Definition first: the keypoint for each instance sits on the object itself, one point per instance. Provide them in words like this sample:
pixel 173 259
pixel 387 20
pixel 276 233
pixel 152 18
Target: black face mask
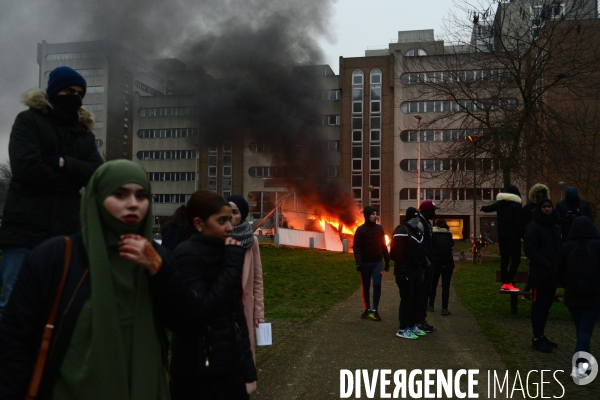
pixel 67 106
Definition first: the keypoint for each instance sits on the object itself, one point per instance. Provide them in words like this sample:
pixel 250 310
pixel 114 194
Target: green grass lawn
pixel 302 283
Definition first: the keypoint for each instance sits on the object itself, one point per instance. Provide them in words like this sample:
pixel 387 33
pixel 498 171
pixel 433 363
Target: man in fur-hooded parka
pixel 52 154
pixel 537 192
pixel 510 230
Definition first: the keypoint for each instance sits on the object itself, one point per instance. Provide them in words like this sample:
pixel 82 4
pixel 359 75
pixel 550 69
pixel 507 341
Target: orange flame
pixel 387 240
pixel 335 223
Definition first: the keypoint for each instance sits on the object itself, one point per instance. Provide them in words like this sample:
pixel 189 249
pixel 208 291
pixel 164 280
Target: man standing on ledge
pixel 52 154
pixel 369 247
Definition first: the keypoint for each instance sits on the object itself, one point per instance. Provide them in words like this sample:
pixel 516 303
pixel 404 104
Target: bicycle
pixel 477 246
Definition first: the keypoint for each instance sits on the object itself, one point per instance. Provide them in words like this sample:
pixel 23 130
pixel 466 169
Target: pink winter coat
pixel 252 282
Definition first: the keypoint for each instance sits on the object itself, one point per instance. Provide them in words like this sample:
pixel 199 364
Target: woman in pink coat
pixel 252 280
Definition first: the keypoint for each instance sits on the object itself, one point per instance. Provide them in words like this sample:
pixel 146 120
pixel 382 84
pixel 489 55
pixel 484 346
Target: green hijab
pixel 115 351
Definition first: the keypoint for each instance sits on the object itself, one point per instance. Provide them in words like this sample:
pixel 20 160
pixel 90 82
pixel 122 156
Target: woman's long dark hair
pixel 203 204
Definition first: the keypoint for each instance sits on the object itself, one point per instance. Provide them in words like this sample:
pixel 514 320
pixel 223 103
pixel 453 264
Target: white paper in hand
pixel 263 334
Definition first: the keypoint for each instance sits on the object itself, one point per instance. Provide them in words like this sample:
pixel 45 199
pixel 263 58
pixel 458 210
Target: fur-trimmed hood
pixel 37 99
pixel 536 188
pixel 437 229
pixel 508 197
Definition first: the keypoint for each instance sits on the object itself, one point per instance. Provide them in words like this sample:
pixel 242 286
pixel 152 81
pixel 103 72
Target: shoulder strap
pixel 40 363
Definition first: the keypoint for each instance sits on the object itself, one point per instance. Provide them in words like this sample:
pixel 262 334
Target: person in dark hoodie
pixel 510 230
pixel 426 215
pixel 369 247
pixel 52 154
pixel 408 252
pixel 537 192
pixel 542 246
pixel 570 208
pixel 579 270
pixel 443 265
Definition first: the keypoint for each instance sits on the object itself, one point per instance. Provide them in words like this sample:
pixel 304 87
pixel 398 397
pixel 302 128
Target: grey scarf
pixel 244 234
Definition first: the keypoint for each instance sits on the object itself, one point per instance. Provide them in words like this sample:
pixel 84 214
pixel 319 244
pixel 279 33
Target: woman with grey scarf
pixel 252 280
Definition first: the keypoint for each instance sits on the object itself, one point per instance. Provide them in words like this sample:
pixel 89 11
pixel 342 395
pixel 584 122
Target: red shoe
pixel 505 287
pixel 513 288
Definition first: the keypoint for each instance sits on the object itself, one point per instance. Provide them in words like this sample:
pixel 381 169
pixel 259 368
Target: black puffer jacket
pixel 542 246
pixel 510 214
pixel 408 248
pixel 578 207
pixel 369 243
pixel 210 334
pixel 582 231
pixel 27 312
pixel 442 246
pixel 42 202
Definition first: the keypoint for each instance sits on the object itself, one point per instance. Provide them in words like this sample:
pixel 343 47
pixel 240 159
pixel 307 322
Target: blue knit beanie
pixel 63 77
pixel 241 204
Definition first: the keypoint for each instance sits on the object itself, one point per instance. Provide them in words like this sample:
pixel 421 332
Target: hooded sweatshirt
pixel 582 231
pixel 569 208
pixel 510 213
pixel 529 208
pixel 542 245
pixel 369 241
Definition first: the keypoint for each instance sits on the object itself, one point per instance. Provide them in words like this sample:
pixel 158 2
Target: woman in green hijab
pixel 108 342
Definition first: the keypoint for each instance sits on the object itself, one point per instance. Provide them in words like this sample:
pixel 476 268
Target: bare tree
pixel 500 66
pixel 5 177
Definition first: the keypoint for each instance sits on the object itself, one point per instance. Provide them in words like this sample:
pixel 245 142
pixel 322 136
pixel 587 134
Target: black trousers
pixel 409 285
pixel 510 253
pixel 426 287
pixel 446 275
pixel 540 307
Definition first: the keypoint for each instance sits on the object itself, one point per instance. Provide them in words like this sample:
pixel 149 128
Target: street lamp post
pixel 418 117
pixel 474 139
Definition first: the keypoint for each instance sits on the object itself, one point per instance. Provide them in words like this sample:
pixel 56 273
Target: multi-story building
pixel 367 132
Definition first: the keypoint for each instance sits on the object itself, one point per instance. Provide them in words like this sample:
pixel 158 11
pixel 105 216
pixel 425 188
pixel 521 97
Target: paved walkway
pixel 308 367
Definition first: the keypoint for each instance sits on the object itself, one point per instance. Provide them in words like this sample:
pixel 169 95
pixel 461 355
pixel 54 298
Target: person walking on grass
pixel 542 247
pixel 579 270
pixel 409 255
pixel 510 230
pixel 444 264
pixel 369 248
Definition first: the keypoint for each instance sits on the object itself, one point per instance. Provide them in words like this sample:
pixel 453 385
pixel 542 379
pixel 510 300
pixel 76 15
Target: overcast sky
pixel 361 24
pixel 348 28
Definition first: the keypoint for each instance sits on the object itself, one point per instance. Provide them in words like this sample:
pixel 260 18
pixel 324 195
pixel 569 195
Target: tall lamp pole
pixel 474 139
pixel 418 117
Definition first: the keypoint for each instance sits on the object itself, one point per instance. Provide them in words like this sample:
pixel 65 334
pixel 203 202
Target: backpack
pixel 584 271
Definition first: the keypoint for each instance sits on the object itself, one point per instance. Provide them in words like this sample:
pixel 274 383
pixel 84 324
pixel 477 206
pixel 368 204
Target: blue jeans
pixel 12 258
pixel 585 319
pixel 371 270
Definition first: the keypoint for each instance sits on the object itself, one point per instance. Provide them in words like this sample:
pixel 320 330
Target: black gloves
pixel 52 161
pixel 387 267
pixel 358 268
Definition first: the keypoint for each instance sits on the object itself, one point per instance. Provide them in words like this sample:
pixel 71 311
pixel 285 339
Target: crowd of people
pixel 561 243
pixel 421 254
pixel 88 295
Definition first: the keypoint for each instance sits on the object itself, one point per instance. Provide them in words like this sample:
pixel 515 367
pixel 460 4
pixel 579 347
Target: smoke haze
pixel 251 44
